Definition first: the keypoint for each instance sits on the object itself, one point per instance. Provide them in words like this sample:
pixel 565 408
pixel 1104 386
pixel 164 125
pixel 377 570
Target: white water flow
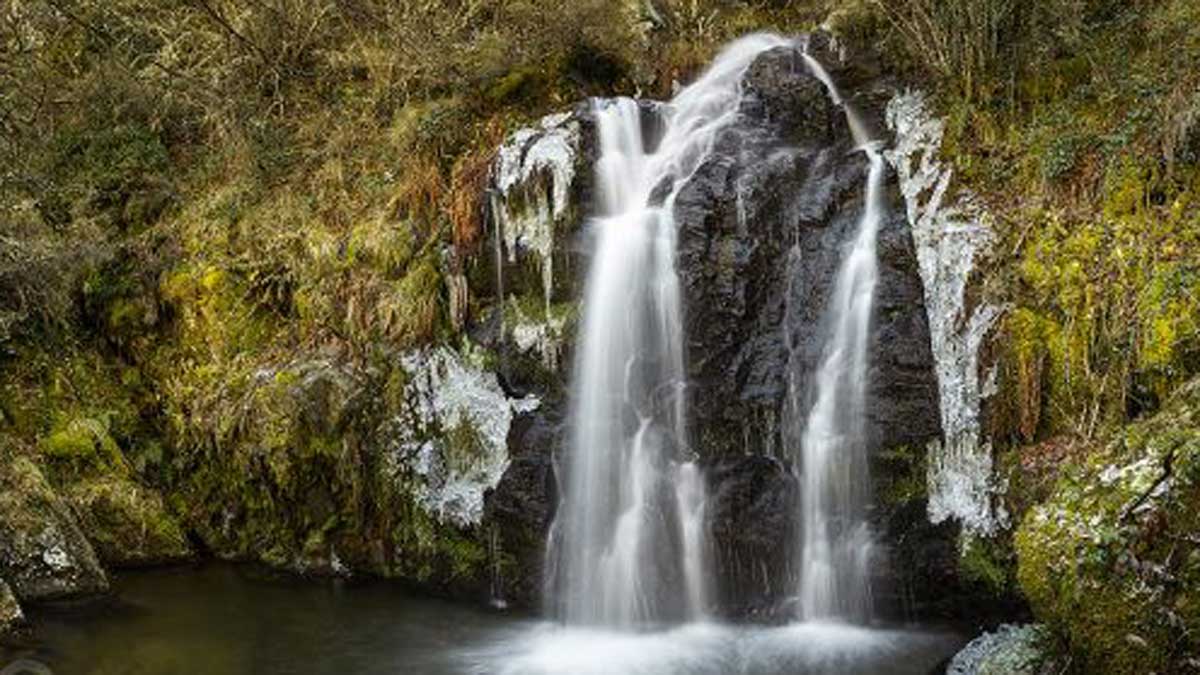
pixel 628 544
pixel 836 542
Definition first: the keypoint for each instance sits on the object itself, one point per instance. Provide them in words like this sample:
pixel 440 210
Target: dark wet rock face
pixel 762 225
pixel 750 514
pixel 794 107
pixel 521 508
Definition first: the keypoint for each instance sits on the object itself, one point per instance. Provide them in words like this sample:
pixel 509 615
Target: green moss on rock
pixel 127 524
pixel 987 563
pixel 11 616
pixel 1111 559
pixel 288 470
pixel 43 552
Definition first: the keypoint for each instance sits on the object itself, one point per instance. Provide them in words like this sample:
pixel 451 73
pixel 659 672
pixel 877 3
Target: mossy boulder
pixel 43 552
pixel 127 524
pixel 326 465
pixel 11 616
pixel 1112 561
pixel 276 466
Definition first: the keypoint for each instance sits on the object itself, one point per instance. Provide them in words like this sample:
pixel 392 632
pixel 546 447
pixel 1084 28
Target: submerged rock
pixel 43 553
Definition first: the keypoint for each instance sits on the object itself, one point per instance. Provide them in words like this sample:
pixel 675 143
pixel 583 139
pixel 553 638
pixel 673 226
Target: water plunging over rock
pixel 836 550
pixel 761 216
pixel 623 551
pixel 763 222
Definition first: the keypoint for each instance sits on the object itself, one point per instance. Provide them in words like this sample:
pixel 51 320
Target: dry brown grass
pixel 468 189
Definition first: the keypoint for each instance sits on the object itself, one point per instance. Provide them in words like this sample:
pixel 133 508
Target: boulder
pixel 43 552
pixel 127 524
pixel 1111 560
pixel 1009 650
pixel 11 616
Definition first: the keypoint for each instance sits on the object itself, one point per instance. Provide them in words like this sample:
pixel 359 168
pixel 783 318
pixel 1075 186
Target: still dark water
pixel 227 620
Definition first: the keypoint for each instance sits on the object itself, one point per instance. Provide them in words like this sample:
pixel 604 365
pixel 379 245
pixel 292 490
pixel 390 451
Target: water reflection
pixel 225 620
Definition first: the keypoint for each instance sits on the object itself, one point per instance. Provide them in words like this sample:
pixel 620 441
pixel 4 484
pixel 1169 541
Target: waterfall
pixel 835 542
pixel 627 547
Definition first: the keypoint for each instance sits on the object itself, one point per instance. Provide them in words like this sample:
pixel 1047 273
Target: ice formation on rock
pixel 950 235
pixel 543 338
pixel 454 438
pixel 532 177
pixel 1010 650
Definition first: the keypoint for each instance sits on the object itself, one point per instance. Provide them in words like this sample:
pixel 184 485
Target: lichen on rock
pixel 951 235
pixel 452 440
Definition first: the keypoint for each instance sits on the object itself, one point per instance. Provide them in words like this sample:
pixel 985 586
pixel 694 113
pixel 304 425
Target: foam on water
pixel 814 648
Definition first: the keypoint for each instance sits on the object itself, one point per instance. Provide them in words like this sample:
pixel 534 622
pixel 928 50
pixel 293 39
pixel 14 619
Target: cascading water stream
pixel 627 547
pixel 836 542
